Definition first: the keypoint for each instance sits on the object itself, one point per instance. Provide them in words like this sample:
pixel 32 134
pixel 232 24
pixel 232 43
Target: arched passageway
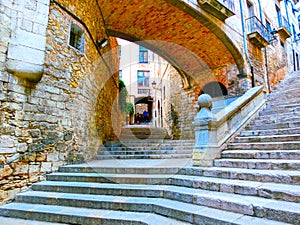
pixel 214 89
pixel 193 44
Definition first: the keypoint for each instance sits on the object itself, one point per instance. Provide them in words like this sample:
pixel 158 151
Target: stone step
pixel 259 154
pixel 279 110
pixel 144 156
pixel 143 133
pixel 289 145
pixel 119 169
pixel 277 191
pixel 79 215
pixel 145 152
pixel 263 132
pixel 287 119
pixel 243 204
pixel 290 124
pixel 272 176
pixel 286 89
pixel 155 143
pixel 276 176
pixel 15 221
pixel 293 103
pixel 187 212
pixel 287 95
pixel 281 116
pixel 281 98
pixel 141 137
pixel 267 138
pixel 272 164
pixel 150 148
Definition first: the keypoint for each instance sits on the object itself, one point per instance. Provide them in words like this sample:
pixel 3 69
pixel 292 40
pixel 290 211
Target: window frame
pixel 76 37
pixel 143 55
pixel 145 76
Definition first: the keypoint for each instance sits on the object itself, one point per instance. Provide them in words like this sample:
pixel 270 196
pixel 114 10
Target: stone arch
pixel 190 33
pixel 215 89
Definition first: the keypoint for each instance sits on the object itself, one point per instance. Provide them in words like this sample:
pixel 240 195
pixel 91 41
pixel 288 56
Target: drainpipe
pixel 245 44
pixel 292 41
pixel 265 50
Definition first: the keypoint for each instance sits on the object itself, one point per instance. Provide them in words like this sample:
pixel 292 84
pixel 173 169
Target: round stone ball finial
pixel 204 101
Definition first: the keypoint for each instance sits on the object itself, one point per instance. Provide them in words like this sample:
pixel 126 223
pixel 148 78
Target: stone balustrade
pixel 212 131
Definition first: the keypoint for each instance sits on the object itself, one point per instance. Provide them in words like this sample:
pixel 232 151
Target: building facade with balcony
pixel 264 31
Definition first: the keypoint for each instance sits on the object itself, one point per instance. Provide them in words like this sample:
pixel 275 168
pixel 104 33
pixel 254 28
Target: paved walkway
pixel 13 221
pixel 148 163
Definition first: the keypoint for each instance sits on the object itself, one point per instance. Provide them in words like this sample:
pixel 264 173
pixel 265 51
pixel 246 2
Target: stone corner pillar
pixel 206 148
pixel 27 45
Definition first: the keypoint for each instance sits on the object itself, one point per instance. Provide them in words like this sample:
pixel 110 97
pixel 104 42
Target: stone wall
pixel 77 93
pixel 180 107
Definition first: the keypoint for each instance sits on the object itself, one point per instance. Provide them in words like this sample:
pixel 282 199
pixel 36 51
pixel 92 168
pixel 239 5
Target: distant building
pixel 145 75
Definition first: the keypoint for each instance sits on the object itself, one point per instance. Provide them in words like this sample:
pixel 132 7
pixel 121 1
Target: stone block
pixel 34 168
pixel 27 25
pixel 53 156
pixel 6 171
pixel 43 8
pixel 35 17
pixel 46 167
pixel 30 157
pixel 22 147
pixel 21 168
pixel 29 39
pixel 11 194
pixel 16 88
pixel 25 70
pixel 4 77
pixel 25 53
pixel 45 2
pixel 8 141
pixel 50 89
pixel 16 97
pixel 56 165
pixel 39 29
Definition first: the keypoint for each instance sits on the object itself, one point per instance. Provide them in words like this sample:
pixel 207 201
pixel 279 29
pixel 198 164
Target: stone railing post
pixel 206 148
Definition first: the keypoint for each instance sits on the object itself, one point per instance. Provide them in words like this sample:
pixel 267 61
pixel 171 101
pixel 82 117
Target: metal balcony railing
pixel 253 24
pixel 229 4
pixel 284 23
pixel 144 92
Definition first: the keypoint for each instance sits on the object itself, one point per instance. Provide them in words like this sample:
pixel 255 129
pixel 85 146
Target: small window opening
pixel 77 37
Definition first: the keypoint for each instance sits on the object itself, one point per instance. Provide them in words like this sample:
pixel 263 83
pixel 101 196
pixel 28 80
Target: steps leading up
pixel 257 180
pixel 147 149
pixel 141 132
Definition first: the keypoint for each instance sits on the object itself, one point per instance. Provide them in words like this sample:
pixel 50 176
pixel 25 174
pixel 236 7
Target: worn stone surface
pixel 76 93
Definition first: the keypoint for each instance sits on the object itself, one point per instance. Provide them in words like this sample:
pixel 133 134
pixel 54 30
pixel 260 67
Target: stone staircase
pixel 146 142
pixel 147 149
pixel 257 181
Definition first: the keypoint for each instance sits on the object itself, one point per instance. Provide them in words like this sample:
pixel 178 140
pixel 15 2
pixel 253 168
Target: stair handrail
pixel 36 149
pixel 213 131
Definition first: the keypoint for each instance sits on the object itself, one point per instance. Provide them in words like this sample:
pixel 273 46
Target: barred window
pixel 77 37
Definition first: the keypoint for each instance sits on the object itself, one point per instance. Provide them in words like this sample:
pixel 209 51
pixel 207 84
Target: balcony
pixel 257 32
pixel 222 9
pixel 145 92
pixel 284 29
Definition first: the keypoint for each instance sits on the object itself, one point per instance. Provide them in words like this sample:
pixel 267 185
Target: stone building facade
pixel 52 85
pixel 271 62
pixel 49 88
